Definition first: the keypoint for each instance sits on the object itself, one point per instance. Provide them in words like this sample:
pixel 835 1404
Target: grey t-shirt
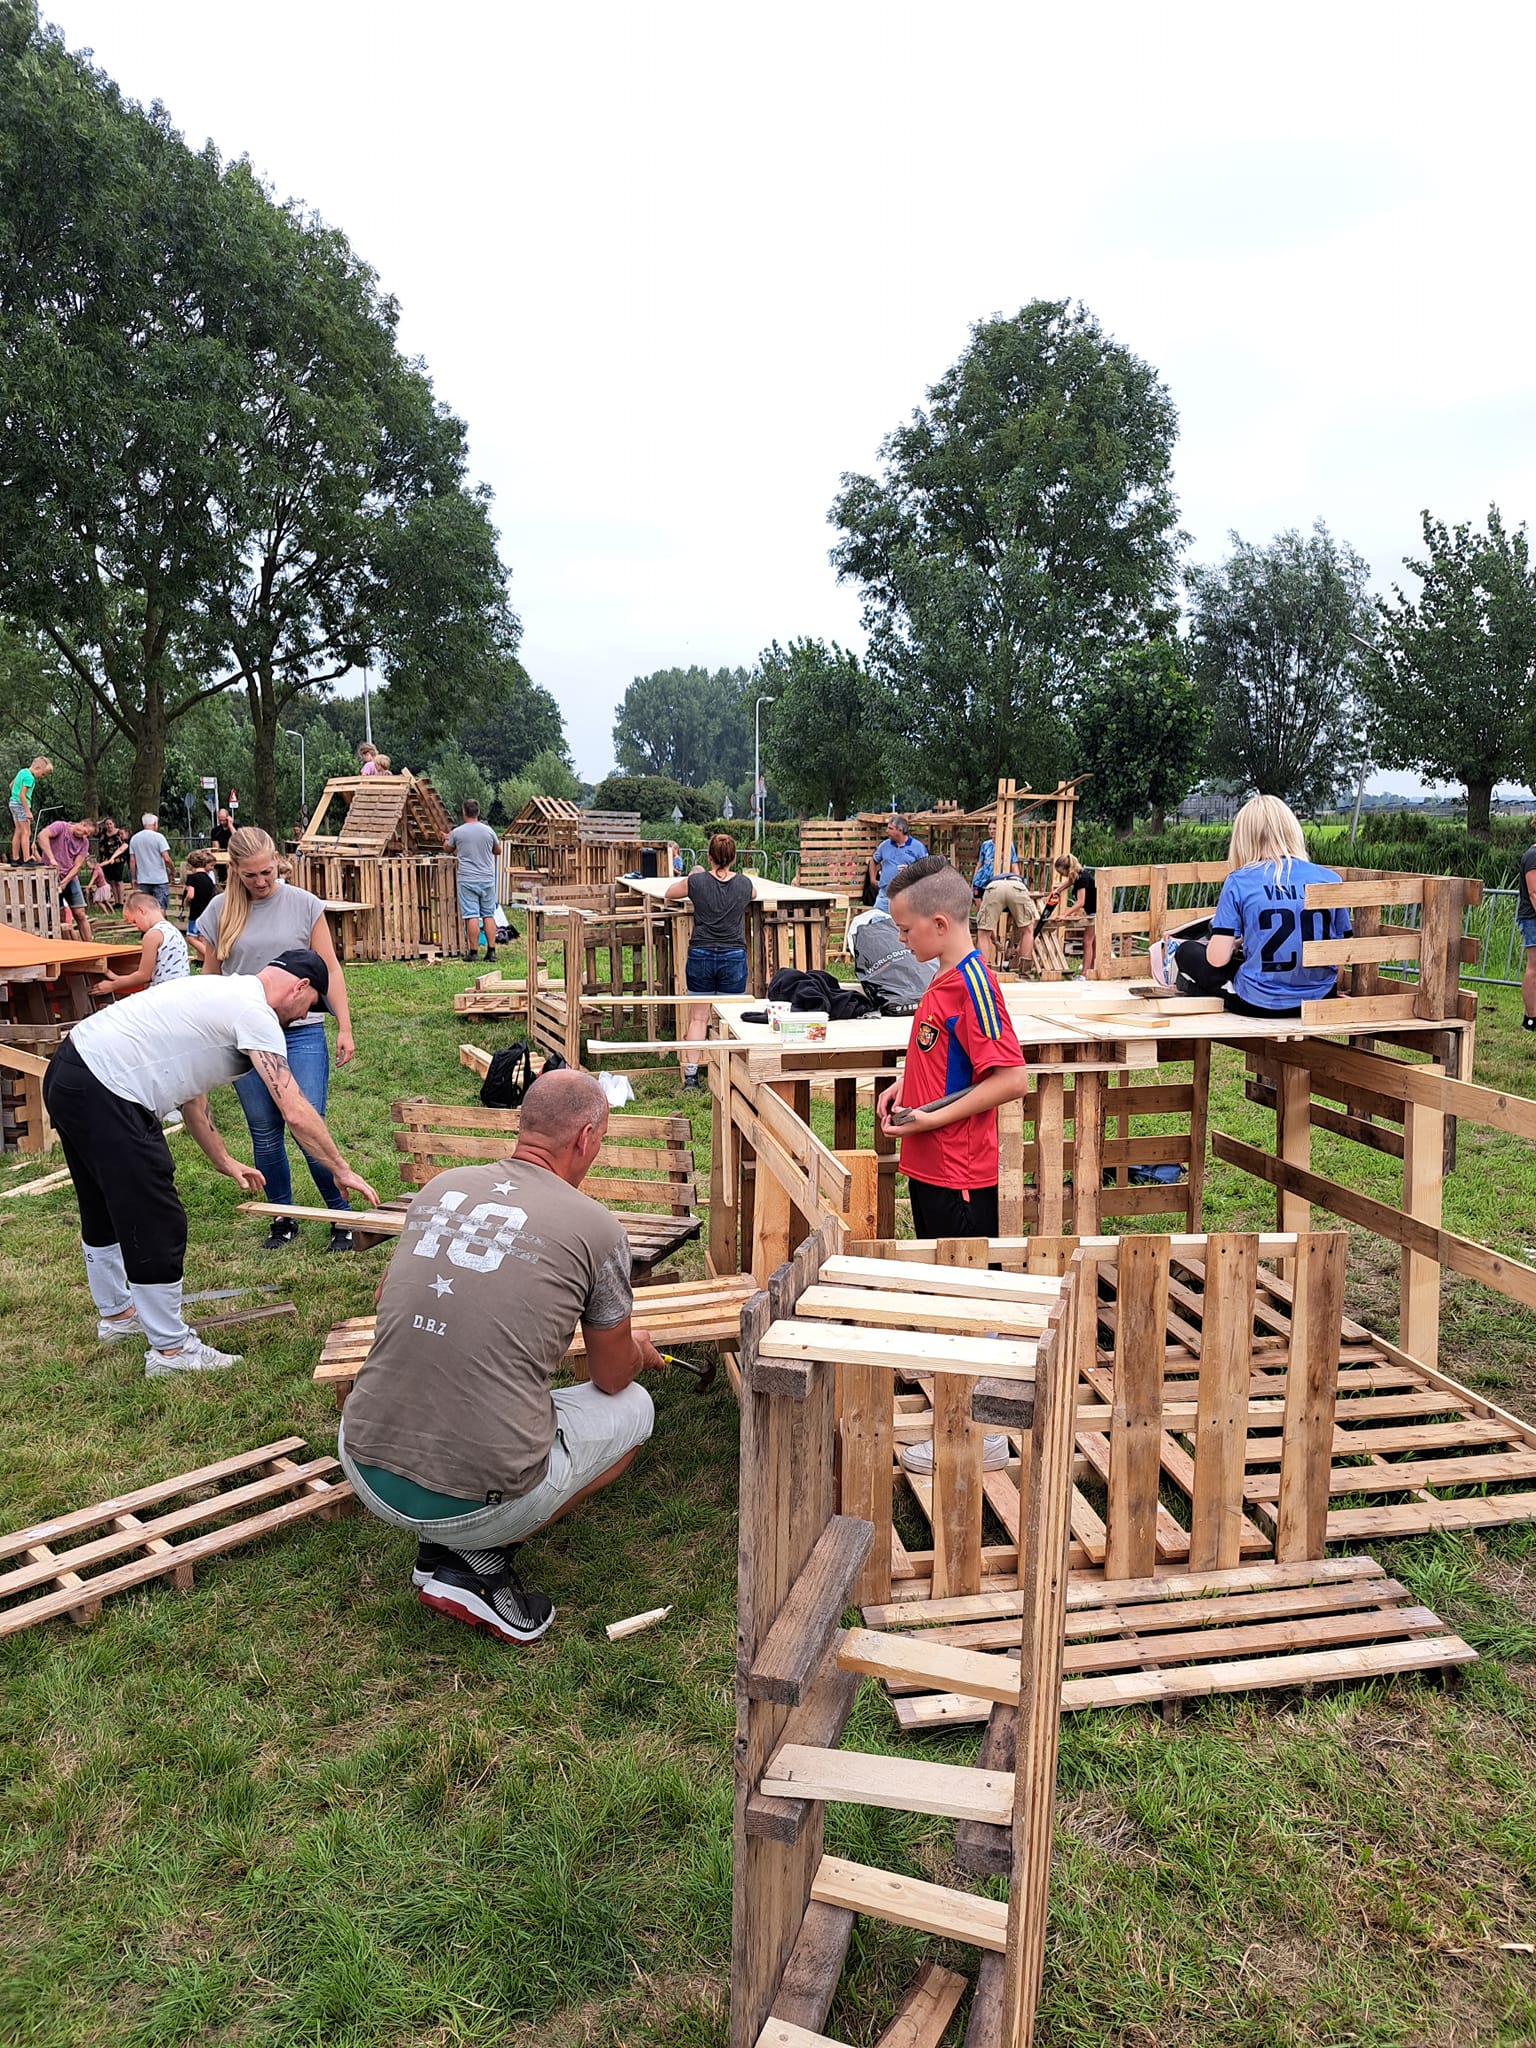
pixel 495 1268
pixel 273 925
pixel 719 908
pixel 149 852
pixel 478 849
pixel 165 1045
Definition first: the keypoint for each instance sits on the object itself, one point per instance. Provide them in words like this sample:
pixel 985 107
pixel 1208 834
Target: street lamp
pixel 303 776
pixel 367 709
pixel 757 761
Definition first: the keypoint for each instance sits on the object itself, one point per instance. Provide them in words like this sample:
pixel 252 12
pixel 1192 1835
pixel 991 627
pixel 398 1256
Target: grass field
pixel 292 1806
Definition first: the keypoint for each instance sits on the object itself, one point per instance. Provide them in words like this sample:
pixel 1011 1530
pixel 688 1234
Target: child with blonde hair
pixel 1253 957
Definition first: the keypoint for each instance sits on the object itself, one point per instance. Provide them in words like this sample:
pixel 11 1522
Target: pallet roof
pixel 384 814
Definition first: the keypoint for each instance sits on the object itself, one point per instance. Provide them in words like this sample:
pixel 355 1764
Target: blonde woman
pixel 259 917
pixel 1252 959
pixel 717 951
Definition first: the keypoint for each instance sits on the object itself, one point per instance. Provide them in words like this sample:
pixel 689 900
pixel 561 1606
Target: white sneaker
pixel 110 1328
pixel 194 1356
pixel 918 1457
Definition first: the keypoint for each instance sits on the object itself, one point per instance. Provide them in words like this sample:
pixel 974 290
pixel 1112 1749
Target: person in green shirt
pixel 21 810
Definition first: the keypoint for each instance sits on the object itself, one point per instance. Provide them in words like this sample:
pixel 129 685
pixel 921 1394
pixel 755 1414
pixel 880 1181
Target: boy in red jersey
pixel 962 1038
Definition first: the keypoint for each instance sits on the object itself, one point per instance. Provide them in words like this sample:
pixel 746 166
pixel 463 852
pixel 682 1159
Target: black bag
pixel 818 990
pixel 888 974
pixel 508 1077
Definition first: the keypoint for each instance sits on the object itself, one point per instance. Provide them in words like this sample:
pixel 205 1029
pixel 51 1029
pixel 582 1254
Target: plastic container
pixel 804 1027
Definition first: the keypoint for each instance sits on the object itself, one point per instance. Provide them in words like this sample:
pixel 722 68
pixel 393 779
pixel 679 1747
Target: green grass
pixel 291 1806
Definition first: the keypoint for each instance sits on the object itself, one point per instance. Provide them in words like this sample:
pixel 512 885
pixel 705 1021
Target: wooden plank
pixel 1478 1262
pixel 912 1660
pixel 783 2034
pixel 898 1310
pixel 815 1963
pixel 957 1453
pixel 1417 1518
pixel 1221 1424
pixel 1258 1674
pixel 1378 889
pixel 907 1351
pixel 107 1511
pixel 1310 1394
pixel 803 1629
pixel 914 1276
pixel 867 1444
pixel 1136 1430
pixel 817 1723
pixel 899 1783
pixel 927 2009
pixel 1402 1082
pixel 911 1902
pixel 1418 1313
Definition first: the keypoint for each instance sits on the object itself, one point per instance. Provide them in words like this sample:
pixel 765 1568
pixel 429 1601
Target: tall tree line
pixel 217 469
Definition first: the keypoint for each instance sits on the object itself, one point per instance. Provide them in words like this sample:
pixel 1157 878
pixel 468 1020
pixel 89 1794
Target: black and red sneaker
pixel 480 1587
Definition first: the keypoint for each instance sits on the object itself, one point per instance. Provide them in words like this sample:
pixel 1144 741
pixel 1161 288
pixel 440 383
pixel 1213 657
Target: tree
pixel 229 473
pixel 52 712
pixel 455 776
pixel 1021 525
pixel 686 723
pixel 547 774
pixel 527 727
pixel 825 738
pixel 1139 727
pixel 125 337
pixel 1451 688
pixel 1278 638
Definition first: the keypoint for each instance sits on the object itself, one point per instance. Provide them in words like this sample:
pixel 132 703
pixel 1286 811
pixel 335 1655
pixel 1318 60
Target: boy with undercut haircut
pixel 962 1040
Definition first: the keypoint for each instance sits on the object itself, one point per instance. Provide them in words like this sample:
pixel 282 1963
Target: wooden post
pixel 1199 1117
pixel 1293 1144
pixel 1135 1439
pixel 1050 1144
pixel 1087 1151
pixel 1418 1298
pixel 1311 1389
pixel 845 1114
pixel 1221 1424
pixel 1066 1350
pixel 958 1445
pixel 771 1232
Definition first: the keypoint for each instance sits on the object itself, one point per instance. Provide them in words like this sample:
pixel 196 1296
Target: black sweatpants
pixel 945 1212
pixel 1193 966
pixel 125 1181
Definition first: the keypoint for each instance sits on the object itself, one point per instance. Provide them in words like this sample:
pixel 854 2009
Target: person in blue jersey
pixel 1253 957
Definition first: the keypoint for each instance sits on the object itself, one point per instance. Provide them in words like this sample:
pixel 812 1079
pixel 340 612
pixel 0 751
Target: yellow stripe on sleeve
pixel 981 995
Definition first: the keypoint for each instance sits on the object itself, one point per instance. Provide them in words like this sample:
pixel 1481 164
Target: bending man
pixel 453 1430
pixel 107 1087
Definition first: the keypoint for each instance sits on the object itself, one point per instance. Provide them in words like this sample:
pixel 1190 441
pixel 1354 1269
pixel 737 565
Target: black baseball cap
pixel 308 966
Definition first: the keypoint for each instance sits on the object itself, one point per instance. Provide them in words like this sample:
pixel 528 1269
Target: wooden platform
pixel 651 1238
pixel 678 1313
pixel 73 1563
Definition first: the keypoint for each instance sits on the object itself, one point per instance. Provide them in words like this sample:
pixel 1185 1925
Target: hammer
pixel 704 1374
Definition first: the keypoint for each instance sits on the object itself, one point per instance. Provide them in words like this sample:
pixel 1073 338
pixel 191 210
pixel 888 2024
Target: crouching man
pixel 453 1429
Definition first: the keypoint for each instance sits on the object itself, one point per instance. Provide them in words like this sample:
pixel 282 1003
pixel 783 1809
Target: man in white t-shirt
pixel 106 1090
pixel 150 866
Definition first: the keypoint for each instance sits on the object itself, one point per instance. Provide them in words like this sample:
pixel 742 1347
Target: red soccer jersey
pixel 960 1032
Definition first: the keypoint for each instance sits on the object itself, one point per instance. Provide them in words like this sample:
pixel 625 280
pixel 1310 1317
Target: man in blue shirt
pixel 897 850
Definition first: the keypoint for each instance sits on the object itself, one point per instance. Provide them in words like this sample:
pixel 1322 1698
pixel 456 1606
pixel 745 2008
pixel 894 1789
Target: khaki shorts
pixel 1006 896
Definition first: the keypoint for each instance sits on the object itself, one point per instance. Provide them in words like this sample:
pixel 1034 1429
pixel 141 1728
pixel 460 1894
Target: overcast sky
pixel 681 266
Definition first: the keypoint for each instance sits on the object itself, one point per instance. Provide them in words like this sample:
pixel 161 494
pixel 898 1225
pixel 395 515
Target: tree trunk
pixel 90 783
pixel 1158 823
pixel 264 717
pixel 1479 798
pixel 148 736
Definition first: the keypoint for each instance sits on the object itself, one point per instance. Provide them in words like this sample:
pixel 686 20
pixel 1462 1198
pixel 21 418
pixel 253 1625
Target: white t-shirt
pixel 164 1045
pixel 148 850
pixel 171 962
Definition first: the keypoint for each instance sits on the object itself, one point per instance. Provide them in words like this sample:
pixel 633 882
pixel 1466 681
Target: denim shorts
pixel 716 970
pixel 476 899
pixel 593 1430
pixel 1527 931
pixel 20 813
pixel 74 896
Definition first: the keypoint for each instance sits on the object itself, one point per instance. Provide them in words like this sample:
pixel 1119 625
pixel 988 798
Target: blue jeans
pixel 716 970
pixel 309 1060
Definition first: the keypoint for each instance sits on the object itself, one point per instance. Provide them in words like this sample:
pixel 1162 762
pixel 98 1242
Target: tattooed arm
pixel 306 1122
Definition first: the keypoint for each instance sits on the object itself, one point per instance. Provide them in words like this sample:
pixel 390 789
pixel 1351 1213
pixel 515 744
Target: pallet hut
pixel 552 844
pixel 381 870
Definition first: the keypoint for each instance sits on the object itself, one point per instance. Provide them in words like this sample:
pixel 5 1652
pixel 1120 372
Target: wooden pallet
pixel 673 1313
pixel 71 1564
pixel 1189 1635
pixel 29 900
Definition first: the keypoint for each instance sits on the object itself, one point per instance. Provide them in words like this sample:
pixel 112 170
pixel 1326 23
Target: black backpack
pixel 508 1077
